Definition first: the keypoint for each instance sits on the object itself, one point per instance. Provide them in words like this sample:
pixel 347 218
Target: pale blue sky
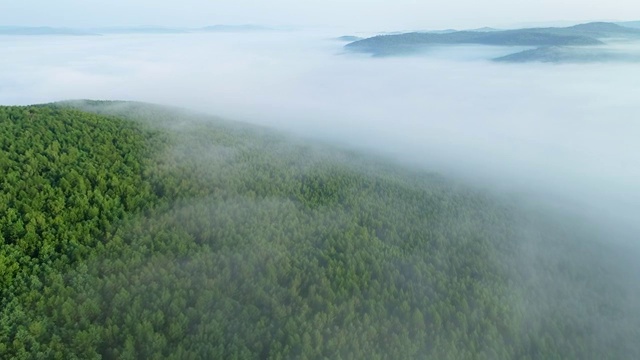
pixel 369 14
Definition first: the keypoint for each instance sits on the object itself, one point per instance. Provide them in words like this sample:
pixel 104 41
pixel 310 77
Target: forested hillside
pixel 131 231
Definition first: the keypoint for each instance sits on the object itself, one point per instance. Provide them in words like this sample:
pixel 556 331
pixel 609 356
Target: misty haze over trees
pixel 464 194
pixel 126 238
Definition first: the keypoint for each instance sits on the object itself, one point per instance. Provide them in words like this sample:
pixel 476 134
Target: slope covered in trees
pixel 133 231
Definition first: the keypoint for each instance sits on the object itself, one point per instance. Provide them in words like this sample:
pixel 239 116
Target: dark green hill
pixel 133 231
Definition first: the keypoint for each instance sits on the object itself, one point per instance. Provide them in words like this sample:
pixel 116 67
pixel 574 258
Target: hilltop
pixel 132 230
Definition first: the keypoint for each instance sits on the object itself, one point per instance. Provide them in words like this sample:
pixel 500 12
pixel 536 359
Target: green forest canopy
pixel 134 231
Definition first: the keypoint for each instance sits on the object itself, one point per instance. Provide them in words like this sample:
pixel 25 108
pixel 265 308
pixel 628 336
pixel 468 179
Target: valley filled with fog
pixel 563 134
pixel 271 194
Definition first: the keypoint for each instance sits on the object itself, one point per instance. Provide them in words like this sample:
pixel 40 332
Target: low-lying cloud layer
pixel 560 131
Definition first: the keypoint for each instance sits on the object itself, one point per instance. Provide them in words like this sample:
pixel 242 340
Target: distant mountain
pixel 485 29
pixel 560 54
pixel 578 35
pixel 630 24
pixel 235 28
pixel 140 30
pixel 445 31
pixel 408 43
pixel 42 30
pixel 599 30
pixel 349 38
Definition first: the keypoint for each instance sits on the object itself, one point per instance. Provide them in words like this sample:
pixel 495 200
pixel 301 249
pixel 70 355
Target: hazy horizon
pixel 366 16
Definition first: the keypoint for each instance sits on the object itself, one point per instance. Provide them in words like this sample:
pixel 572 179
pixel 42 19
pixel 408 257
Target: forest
pixel 136 231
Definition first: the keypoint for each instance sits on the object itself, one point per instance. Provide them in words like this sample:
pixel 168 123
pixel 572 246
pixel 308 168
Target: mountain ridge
pixel 588 34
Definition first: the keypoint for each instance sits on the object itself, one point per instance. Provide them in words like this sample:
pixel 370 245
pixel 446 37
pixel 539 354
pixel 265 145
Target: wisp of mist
pixel 564 135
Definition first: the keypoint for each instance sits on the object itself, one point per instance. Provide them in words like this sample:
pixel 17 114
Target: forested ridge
pixel 134 231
